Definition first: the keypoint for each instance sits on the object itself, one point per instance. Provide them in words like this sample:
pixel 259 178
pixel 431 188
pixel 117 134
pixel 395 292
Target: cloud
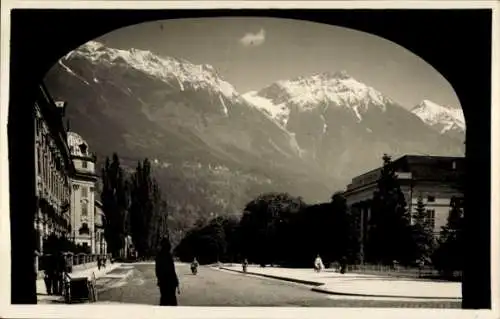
pixel 254 39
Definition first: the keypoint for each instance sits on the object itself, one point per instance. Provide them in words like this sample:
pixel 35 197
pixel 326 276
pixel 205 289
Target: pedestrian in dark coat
pixel 167 278
pixel 59 273
pixel 54 273
pixel 99 262
pixel 343 265
pixel 49 273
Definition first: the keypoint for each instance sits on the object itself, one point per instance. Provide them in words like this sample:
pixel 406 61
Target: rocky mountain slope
pixel 344 125
pixel 444 119
pixel 215 149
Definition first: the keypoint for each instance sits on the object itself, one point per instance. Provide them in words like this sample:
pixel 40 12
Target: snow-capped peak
pixel 325 89
pixel 338 88
pixel 168 69
pixel 445 118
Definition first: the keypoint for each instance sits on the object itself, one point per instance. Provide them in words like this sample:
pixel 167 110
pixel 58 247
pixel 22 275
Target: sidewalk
pixel 42 295
pixel 360 285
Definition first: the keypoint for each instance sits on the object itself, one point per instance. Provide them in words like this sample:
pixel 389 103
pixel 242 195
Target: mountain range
pixel 215 148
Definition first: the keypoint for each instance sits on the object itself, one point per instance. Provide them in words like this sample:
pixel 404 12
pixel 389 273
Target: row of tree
pixel 277 228
pixel 133 206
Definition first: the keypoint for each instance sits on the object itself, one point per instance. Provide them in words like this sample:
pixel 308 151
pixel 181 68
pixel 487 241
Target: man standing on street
pixel 165 272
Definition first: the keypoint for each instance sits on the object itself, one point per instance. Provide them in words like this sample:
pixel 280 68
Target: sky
pixel 252 53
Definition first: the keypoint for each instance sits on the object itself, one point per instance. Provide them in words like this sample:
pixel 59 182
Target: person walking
pixel 61 269
pixel 99 262
pixel 343 265
pixel 165 273
pixel 194 266
pixel 49 273
pixel 56 272
pixel 318 264
pixel 245 265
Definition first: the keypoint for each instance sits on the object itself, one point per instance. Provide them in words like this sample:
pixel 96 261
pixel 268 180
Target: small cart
pixel 80 289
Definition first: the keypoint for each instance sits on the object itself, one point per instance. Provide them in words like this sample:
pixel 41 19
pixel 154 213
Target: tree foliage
pixel 115 199
pixel 133 205
pixel 390 235
pixel 448 256
pixel 423 232
pixel 146 210
pixel 275 228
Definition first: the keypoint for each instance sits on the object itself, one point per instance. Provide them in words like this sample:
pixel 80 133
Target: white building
pixel 435 178
pixel 53 169
pixel 83 193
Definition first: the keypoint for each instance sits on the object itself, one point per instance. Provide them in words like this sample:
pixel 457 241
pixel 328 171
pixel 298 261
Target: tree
pixel 264 224
pixel 390 231
pixel 423 232
pixel 209 243
pixel 345 235
pixel 448 256
pixel 115 203
pixel 147 210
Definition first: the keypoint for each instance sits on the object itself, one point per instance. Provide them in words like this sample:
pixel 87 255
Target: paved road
pixel 212 287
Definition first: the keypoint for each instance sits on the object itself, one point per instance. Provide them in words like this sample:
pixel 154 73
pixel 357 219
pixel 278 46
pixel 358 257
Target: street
pixel 213 287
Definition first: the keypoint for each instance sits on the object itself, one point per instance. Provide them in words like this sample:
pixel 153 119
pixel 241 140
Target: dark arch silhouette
pixel 457 43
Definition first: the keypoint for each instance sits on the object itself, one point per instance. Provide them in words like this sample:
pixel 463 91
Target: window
pixel 431 199
pixel 85 209
pixel 431 217
pixel 83 148
pixel 86 248
pixel 85 192
pixel 84 164
pixel 84 229
pixel 39 161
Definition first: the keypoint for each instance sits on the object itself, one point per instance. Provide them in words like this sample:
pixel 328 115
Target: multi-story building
pixel 100 244
pixel 53 168
pixel 435 179
pixel 83 184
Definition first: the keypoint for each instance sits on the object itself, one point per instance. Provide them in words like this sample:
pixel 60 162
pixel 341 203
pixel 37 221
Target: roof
pixel 431 168
pixel 74 143
pixel 52 114
pixel 445 169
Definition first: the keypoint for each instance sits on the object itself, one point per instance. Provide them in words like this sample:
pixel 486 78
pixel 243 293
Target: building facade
pixel 101 247
pixel 83 184
pixel 435 179
pixel 53 170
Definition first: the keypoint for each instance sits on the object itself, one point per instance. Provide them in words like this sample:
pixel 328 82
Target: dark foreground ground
pixel 212 287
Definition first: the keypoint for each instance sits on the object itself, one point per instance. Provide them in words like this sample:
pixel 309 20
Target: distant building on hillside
pixel 83 198
pixel 435 178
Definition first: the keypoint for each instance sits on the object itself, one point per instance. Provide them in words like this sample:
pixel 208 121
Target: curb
pixel 299 281
pixel 329 292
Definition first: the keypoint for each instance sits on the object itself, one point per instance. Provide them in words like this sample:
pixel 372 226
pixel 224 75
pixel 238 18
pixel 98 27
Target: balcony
pixel 84 230
pixel 404 175
pixel 65 206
